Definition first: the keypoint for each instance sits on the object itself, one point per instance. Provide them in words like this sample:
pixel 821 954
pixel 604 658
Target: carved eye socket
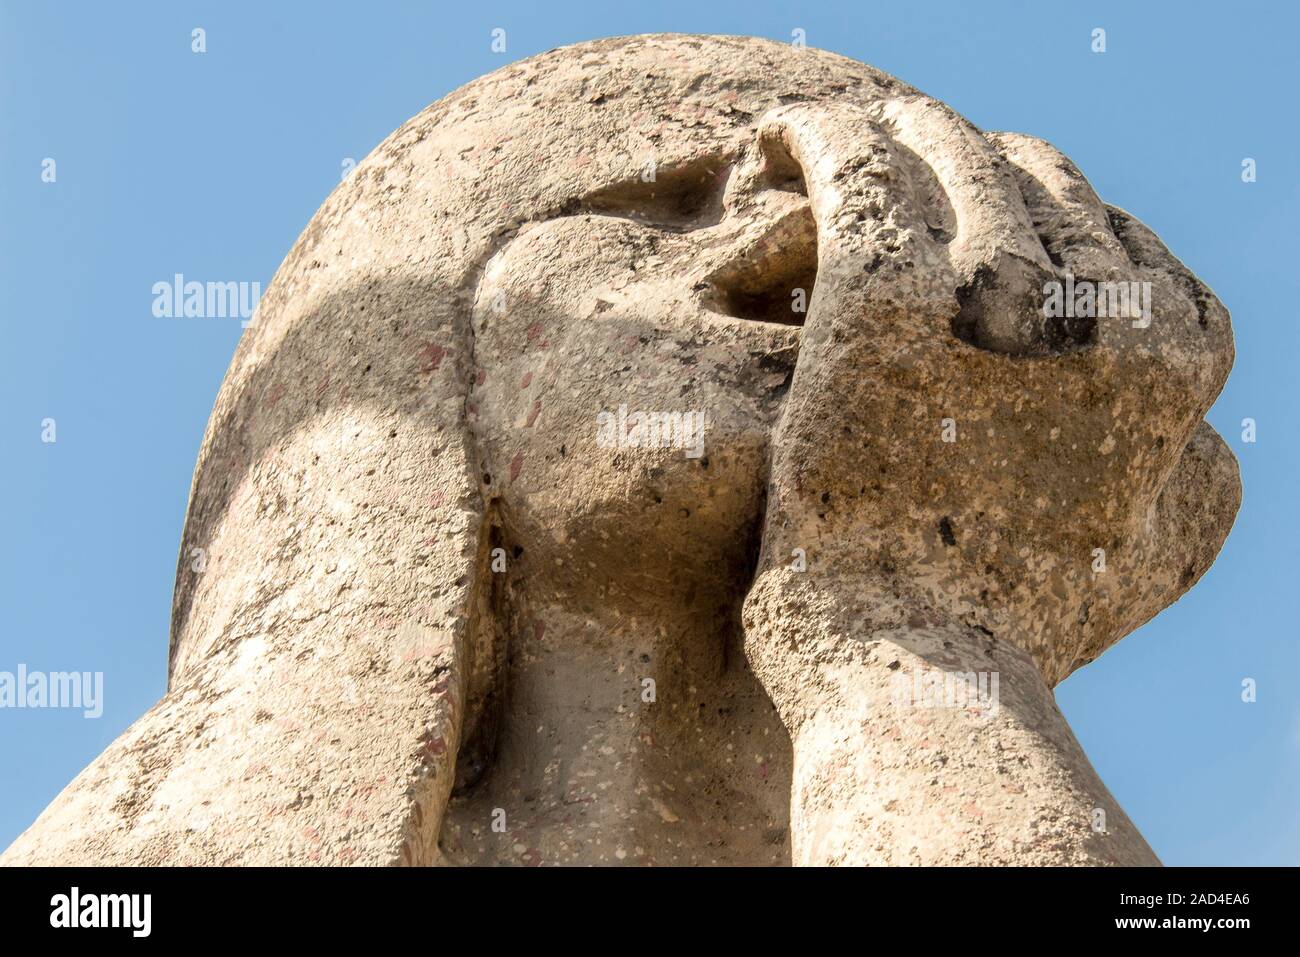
pixel 770 282
pixel 680 198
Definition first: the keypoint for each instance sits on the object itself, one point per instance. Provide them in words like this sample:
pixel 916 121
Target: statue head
pixel 1003 380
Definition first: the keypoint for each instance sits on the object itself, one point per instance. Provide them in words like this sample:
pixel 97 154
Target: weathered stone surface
pixel 687 658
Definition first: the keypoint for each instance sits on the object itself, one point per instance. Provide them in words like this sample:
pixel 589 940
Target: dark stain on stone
pixel 946 532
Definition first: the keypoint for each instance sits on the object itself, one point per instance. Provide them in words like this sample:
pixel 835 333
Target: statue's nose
pixel 770 269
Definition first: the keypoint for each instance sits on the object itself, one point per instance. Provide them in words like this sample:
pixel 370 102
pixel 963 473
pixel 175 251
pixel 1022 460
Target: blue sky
pixel 210 165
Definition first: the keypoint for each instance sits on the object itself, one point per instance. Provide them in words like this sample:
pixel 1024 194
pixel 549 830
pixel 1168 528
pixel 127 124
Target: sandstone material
pixel 458 607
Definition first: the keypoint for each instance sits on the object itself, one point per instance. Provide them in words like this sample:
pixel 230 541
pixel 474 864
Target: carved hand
pixel 959 472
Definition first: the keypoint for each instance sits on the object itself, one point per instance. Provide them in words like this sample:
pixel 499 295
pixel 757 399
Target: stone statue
pixel 670 450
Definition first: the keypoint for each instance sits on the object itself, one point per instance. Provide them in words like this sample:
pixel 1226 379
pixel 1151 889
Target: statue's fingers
pixel 874 243
pixel 990 217
pixel 1068 216
pixel 873 251
pixel 1187 526
pixel 1127 301
pixel 1179 322
pixel 992 245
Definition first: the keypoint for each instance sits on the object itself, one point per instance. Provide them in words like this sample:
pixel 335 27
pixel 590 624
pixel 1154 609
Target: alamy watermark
pixel 935 688
pixel 1085 299
pixel 75 909
pixel 651 430
pixel 180 299
pixel 83 690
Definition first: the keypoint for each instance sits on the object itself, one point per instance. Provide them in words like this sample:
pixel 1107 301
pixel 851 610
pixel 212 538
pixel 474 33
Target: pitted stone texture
pixel 445 618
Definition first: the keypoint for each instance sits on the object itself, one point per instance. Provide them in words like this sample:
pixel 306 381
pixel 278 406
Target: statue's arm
pixel 327 593
pixel 947 469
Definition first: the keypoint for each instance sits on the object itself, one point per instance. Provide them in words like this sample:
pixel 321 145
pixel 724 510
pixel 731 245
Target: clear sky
pixel 210 165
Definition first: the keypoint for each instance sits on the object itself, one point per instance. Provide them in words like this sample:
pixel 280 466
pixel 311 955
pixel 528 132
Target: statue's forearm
pixel 931 745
